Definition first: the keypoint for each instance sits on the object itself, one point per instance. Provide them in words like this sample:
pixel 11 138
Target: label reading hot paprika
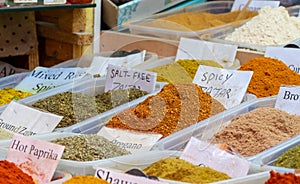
pixel 227 86
pixel 124 78
pixel 35 157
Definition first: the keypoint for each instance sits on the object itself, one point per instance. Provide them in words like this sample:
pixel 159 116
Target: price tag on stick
pixel 204 153
pixel 288 99
pixel 35 157
pixel 24 120
pixel 130 140
pixel 227 86
pixel 124 78
pixel 290 56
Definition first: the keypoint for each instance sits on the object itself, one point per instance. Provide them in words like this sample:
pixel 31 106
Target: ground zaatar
pixel 88 147
pixel 76 107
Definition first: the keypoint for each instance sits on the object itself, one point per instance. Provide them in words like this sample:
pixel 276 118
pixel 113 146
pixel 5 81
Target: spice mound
pixel 180 170
pixel 76 107
pixel 85 180
pixel 194 21
pixel 175 107
pixel 258 130
pixel 11 174
pixel 181 71
pixel 88 147
pixel 268 75
pixel 9 94
pixel 286 178
pixel 289 159
pixel 272 26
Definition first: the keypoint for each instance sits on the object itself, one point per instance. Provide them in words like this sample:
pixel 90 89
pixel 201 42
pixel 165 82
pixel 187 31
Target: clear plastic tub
pixel 142 160
pixel 219 35
pixel 267 159
pixel 206 129
pixel 137 27
pixel 60 177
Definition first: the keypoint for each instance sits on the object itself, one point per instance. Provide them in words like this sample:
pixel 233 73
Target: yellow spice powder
pixel 9 94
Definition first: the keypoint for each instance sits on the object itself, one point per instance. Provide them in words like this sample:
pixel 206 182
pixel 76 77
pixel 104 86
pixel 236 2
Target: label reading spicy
pixel 35 157
pixel 124 78
pixel 227 86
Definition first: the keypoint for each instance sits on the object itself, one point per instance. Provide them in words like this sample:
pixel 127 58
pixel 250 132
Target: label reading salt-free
pixel 207 154
pixel 288 99
pixel 129 140
pixel 100 63
pixel 290 56
pixel 35 157
pixel 227 86
pixel 21 119
pixel 124 78
pixel 42 79
pixel 224 54
pixel 116 177
pixel 254 5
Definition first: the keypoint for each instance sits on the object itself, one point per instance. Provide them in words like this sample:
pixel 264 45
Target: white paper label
pixel 100 63
pixel 224 54
pixel 129 140
pixel 25 1
pixel 227 86
pixel 254 5
pixel 290 56
pixel 41 78
pixel 116 177
pixel 21 119
pixel 7 69
pixel 35 157
pixel 203 153
pixel 288 99
pixel 124 78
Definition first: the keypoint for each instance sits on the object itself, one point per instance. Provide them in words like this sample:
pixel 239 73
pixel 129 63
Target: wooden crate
pixel 64 34
pixel 18 36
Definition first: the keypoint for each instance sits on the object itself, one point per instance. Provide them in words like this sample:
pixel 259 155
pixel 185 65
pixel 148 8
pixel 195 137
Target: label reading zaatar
pixel 35 157
pixel 129 140
pixel 227 86
pixel 100 63
pixel 21 119
pixel 288 99
pixel 224 54
pixel 42 79
pixel 290 56
pixel 124 78
pixel 116 177
pixel 254 5
pixel 207 154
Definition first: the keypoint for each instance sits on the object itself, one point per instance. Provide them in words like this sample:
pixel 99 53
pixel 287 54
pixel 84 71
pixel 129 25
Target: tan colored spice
pixel 268 75
pixel 175 107
pixel 181 170
pixel 194 21
pixel 258 130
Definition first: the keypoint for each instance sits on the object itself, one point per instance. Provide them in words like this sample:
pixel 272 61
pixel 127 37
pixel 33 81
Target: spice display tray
pixel 218 35
pixel 91 86
pixel 206 129
pixel 60 177
pixel 137 27
pixel 144 159
pixel 257 178
pixel 267 159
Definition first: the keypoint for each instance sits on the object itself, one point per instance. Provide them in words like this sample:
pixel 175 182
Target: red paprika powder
pixel 286 178
pixel 11 174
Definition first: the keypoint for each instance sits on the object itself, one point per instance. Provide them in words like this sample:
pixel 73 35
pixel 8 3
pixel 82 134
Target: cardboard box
pixel 114 15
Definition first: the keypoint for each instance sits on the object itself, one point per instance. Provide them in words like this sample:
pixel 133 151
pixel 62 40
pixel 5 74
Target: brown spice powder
pixel 258 130
pixel 175 107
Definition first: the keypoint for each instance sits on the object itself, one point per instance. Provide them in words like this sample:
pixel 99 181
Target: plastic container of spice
pixel 91 87
pixel 60 176
pixel 139 27
pixel 206 129
pixel 267 159
pixel 218 35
